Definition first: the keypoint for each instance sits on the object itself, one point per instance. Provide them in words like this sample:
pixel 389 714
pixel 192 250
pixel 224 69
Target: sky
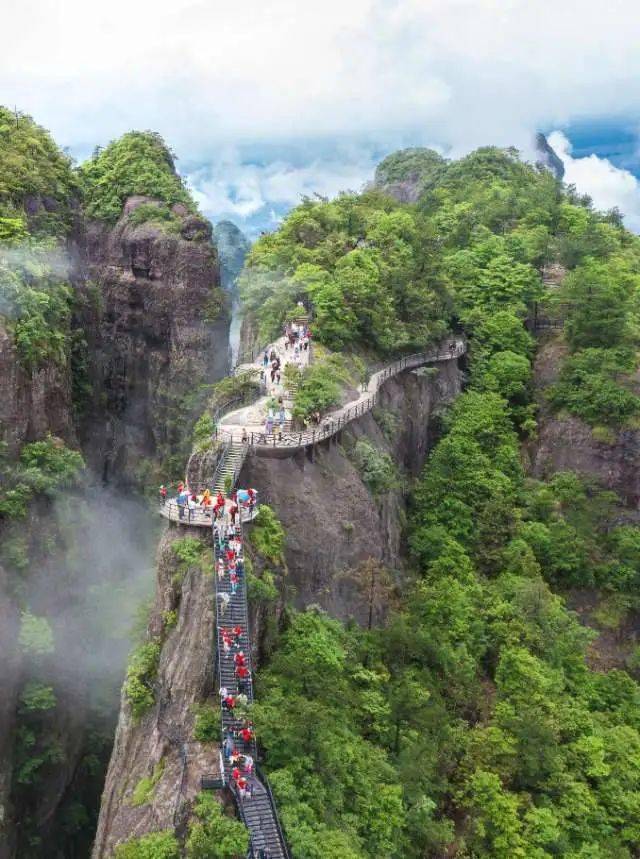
pixel 266 101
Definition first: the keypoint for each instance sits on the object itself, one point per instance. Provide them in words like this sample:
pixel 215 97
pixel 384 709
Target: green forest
pixel 477 720
pixel 471 723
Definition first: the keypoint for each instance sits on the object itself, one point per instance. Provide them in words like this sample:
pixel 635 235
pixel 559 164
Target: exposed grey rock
pixel 548 157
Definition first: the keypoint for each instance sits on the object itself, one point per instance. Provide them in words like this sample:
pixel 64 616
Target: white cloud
pixel 204 71
pixel 607 185
pixel 209 74
pixel 232 187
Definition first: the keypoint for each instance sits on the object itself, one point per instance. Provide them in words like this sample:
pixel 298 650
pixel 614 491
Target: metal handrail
pixel 272 802
pixel 331 426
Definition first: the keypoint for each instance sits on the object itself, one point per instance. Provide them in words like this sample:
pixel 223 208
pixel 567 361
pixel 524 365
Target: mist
pixel 91 586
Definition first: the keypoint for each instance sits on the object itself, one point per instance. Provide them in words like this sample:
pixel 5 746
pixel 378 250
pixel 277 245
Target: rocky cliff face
pixel 32 403
pixel 150 308
pixel 548 157
pixel 566 443
pixel 332 522
pixel 163 738
pixel 158 331
pixel 233 246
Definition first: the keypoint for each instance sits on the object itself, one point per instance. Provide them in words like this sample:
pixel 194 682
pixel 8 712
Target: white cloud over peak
pixel 209 75
pixel 232 187
pixel 204 71
pixel 606 184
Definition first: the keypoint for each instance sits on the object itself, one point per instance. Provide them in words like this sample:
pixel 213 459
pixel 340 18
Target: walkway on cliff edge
pixel 250 419
pixel 258 812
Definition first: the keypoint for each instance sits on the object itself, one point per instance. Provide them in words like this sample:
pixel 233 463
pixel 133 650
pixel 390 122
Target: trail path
pixel 252 418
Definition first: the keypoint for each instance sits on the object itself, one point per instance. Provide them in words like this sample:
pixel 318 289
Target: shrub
pixel 137 163
pixel 376 468
pixel 588 387
pixel 317 391
pixel 207 723
pixel 169 618
pixel 214 835
pixel 388 421
pixel 267 535
pixel 35 634
pixel 154 213
pixel 49 464
pixel 603 435
pixel 203 431
pixel 36 697
pixel 155 845
pixel 189 551
pixel 141 674
pixel 144 790
pixel 32 165
pixel 261 589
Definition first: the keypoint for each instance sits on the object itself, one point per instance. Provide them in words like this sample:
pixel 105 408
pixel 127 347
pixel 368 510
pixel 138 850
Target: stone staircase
pixel 258 812
pixel 229 465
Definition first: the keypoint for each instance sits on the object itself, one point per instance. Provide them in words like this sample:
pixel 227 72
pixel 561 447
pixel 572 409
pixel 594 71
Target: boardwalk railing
pixel 333 424
pixel 258 811
pixel 196 517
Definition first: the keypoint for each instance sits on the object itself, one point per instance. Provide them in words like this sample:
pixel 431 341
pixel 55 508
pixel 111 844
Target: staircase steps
pixel 258 810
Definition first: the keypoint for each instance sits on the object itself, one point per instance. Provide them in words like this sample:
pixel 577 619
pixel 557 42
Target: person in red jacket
pixel 242 672
pixel 239 659
pixel 247 734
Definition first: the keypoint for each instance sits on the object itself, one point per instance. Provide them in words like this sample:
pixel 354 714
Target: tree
pixel 214 835
pixel 601 295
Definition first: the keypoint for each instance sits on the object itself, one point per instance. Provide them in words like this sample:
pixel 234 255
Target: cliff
pixel 163 738
pixel 33 401
pixel 159 331
pixel 112 321
pixel 566 443
pixel 332 522
pixel 405 175
pixel 331 519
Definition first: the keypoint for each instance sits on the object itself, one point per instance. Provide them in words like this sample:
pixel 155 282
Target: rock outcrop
pixel 407 174
pixel 158 330
pixel 163 737
pixel 331 520
pixel 548 157
pixel 566 443
pixel 32 402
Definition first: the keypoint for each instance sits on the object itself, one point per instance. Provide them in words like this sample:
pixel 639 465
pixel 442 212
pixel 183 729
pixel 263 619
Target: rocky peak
pixel 547 156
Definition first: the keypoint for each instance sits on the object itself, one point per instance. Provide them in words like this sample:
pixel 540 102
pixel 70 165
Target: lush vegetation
pixel 158 215
pixel 214 835
pixel 155 845
pixel 39 193
pixel 42 467
pixel 34 173
pixel 362 262
pixel 143 792
pixel 472 724
pixel 424 167
pixel 136 163
pixel 601 295
pixel 141 674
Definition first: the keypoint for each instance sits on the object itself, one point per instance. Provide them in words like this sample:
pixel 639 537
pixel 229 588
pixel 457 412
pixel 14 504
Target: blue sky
pixel 266 101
